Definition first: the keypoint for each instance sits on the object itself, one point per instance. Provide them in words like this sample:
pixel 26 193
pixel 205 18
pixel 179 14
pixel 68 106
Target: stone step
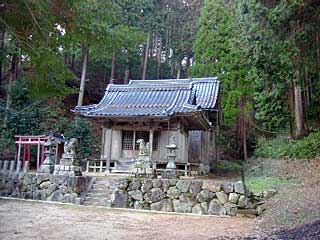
pixel 98 194
pixel 101 191
pixel 96 199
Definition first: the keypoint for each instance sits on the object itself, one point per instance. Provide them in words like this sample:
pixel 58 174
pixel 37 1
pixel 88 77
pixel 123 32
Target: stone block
pixel 184 198
pixel 183 185
pixel 134 184
pixel 197 209
pixel 56 196
pixel 227 187
pixel 136 195
pixel 146 185
pixel 195 188
pixel 50 189
pixel 58 179
pixel 238 187
pixel 29 179
pixel 222 197
pixel 119 199
pixel 45 184
pixel 63 189
pixel 242 202
pixel 205 195
pixel 172 182
pixel 231 209
pixel 41 177
pixel 39 195
pixel 211 186
pixel 234 197
pixel 204 206
pixel 164 205
pixel 70 198
pixel 165 184
pixel 173 192
pixel 78 201
pixel 156 183
pixel 181 207
pixel 154 195
pixel 216 208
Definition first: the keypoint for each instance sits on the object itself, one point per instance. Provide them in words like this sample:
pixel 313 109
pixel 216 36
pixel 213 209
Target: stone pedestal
pixel 142 166
pixel 68 166
pixel 69 163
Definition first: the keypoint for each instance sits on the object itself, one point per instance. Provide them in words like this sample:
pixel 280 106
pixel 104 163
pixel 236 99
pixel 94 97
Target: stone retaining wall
pixel 185 196
pixel 43 186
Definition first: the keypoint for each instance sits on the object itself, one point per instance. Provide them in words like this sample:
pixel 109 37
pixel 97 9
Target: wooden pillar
pixel 24 154
pixel 42 154
pixel 151 134
pixel 103 142
pixel 29 153
pixel 19 151
pixel 107 145
pixel 38 155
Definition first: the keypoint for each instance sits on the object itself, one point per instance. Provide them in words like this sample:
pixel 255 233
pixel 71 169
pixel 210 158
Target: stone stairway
pixel 101 191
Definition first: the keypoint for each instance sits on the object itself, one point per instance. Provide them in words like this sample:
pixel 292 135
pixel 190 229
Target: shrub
pixel 281 147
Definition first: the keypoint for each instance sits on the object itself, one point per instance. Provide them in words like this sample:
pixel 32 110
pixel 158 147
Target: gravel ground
pixel 33 220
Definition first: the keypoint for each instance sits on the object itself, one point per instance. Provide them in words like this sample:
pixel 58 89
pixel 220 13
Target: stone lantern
pixel 48 164
pixel 170 171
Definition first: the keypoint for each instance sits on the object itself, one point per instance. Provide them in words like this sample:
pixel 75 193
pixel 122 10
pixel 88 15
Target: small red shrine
pixel 24 145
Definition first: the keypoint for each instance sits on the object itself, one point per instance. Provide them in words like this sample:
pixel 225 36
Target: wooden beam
pixel 151 134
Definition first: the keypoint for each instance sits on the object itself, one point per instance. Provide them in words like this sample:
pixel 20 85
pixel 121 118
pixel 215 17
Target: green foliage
pixel 228 166
pixel 281 147
pixel 216 56
pixel 82 130
pixel 24 118
pixel 263 183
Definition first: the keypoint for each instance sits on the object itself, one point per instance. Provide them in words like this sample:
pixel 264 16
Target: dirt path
pixel 33 220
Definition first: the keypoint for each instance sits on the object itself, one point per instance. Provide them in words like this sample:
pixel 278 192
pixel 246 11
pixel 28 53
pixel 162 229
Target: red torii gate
pixel 27 142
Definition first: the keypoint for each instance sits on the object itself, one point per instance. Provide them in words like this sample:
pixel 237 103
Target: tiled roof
pixel 155 98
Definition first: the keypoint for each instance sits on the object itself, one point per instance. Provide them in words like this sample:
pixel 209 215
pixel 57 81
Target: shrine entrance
pixel 30 149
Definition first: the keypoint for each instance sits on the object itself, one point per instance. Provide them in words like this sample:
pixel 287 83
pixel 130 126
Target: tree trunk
pixel 318 54
pixel 146 56
pixel 113 68
pixel 127 70
pixel 12 79
pixel 172 67
pixel 2 34
pixel 159 59
pixel 243 128
pixel 298 108
pixel 178 69
pixel 85 53
pixel 188 66
pixel 290 109
pixel 306 98
pixel 72 62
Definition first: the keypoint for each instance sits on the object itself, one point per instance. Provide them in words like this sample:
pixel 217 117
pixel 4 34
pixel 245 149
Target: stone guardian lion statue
pixel 70 146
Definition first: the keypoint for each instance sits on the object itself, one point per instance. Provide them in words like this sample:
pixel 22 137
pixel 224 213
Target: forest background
pixel 55 55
